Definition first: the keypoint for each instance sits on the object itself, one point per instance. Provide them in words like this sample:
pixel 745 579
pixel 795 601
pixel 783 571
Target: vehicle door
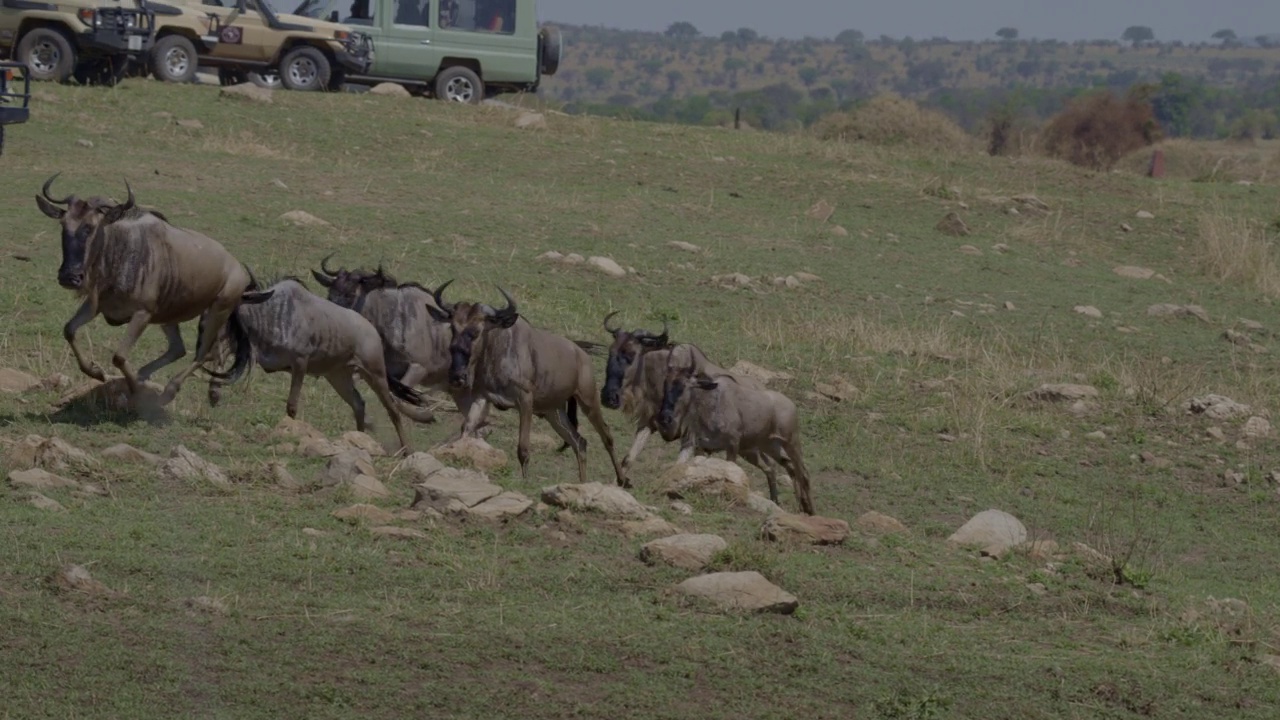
pixel 407 47
pixel 243 31
pixel 500 34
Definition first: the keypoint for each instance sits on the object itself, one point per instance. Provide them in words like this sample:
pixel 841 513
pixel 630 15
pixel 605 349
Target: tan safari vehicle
pixel 248 39
pixel 92 41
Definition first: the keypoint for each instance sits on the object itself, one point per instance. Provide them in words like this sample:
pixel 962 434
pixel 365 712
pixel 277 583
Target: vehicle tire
pixel 48 54
pixel 269 79
pixel 174 59
pixel 305 68
pixel 552 48
pixel 459 83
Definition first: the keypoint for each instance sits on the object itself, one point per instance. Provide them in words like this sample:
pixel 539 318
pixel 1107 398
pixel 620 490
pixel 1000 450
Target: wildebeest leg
pixel 637 444
pixel 687 450
pixel 559 421
pixel 475 412
pixel 344 384
pixel 793 463
pixel 589 402
pixel 299 373
pixel 137 325
pixel 215 319
pixel 84 315
pixel 413 375
pixel 766 464
pixel 524 404
pixel 176 351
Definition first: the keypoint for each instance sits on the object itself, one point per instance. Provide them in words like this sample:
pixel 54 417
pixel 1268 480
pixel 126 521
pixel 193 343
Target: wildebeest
pixel 720 412
pixel 511 364
pixel 302 333
pixel 132 266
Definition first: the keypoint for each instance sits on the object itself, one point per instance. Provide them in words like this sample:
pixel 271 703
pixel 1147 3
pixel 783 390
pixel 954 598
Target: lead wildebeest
pixel 301 332
pixel 722 413
pixel 511 364
pixel 132 266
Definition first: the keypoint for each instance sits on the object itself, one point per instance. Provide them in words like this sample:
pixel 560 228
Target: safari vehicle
pixel 240 37
pixel 13 105
pixel 458 50
pixel 90 40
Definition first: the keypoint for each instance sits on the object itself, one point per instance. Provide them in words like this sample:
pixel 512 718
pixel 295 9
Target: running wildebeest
pixel 722 413
pixel 511 364
pixel 301 332
pixel 132 266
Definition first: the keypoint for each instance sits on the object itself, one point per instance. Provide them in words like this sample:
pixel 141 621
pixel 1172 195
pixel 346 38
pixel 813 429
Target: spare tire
pixel 552 45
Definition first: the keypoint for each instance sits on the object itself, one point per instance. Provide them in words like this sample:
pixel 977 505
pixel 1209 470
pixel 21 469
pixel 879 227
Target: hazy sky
pixel 956 19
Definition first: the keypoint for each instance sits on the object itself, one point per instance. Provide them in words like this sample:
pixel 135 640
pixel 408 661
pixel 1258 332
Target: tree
pixel 682 30
pixel 1008 34
pixel 598 76
pixel 850 38
pixel 747 35
pixel 729 36
pixel 1226 35
pixel 808 75
pixel 1138 34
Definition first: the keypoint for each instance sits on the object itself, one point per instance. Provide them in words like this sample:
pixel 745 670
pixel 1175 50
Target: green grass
pixel 514 621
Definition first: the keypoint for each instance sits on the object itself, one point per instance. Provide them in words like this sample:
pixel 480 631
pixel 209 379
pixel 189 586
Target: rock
pixel 648 527
pixel 839 390
pixel 608 500
pixel 1133 272
pixel 75 579
pixel 472 451
pixel 1000 247
pixel 122 452
pixel 761 504
pixel 681 507
pixel 607 266
pixel 1178 311
pixel 879 524
pixel 1253 325
pixel 248 91
pixel 1216 433
pixel 1096 435
pixel 1236 337
pixel 84 143
pixel 952 224
pixel 397 532
pixel 113 396
pixel 43 502
pixel 48 453
pixel 454 490
pixel 811 529
pixel 502 506
pixel 207 604
pixel 969 250
pixel 747 590
pixel 574 259
pixel 1088 311
pixel 1031 202
pixel 1057 392
pixel 821 211
pixel 39 479
pixel 990 529
pixel 312 532
pixel 361 511
pixel 1256 427
pixel 1041 549
pixel 419 466
pixel 1217 407
pixel 685 246
pixel 837 231
pixel 531 121
pixel 551 256
pixel 302 218
pixel 366 487
pixel 16 381
pixel 791 281
pixel 345 467
pixel 283 478
pixel 1144 215
pixel 185 466
pixel 390 90
pixel 191 124
pixel 363 442
pixel 686 551
pixel 58 381
pixel 316 447
pixel 705 475
pixel 294 429
pixel 803 276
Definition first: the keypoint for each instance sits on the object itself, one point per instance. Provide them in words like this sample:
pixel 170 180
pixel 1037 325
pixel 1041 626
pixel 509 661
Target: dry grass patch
pixel 246 144
pixel 1210 161
pixel 1237 249
pixel 893 120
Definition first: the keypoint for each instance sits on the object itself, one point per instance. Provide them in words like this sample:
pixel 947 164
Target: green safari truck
pixel 457 50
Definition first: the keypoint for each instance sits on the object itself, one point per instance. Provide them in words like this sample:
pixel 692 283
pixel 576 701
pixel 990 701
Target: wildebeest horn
pixel 129 202
pixel 438 294
pixel 44 190
pixel 510 309
pixel 612 331
pixel 324 265
pixel 662 339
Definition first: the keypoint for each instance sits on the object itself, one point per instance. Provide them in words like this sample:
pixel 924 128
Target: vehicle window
pixel 496 16
pixel 413 12
pixel 362 10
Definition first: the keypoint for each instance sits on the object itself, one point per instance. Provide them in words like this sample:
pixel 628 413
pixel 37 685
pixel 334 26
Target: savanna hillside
pixel 1223 86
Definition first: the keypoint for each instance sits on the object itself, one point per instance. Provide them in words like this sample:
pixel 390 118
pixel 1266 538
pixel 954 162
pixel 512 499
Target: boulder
pixel 748 590
pixel 454 490
pixel 501 507
pixel 390 90
pixel 879 524
pixel 345 467
pixel 39 479
pixel 48 453
pixel 122 452
pixel 364 512
pixel 16 381
pixel 473 452
pixel 687 551
pixel 608 500
pixel 812 529
pixel 608 266
pixel 360 441
pixel 992 531
pixel 184 465
pixel 1218 407
pixel 704 475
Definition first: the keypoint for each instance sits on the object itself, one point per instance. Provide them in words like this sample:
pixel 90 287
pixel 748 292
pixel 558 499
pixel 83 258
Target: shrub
pixel 893 120
pixel 1098 129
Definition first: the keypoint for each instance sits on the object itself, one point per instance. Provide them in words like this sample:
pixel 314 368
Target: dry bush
pixel 1098 129
pixel 1210 160
pixel 893 120
pixel 1235 249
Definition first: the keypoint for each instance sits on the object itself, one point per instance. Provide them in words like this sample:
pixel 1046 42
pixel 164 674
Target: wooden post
pixel 737 118
pixel 1156 169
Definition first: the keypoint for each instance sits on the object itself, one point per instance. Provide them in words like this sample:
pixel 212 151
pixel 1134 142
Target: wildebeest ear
pixel 705 383
pixel 322 278
pixel 438 314
pixel 49 208
pixel 113 214
pixel 504 319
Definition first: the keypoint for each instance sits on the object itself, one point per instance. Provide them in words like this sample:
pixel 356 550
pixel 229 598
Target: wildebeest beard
pixel 460 357
pixel 615 372
pixel 75 246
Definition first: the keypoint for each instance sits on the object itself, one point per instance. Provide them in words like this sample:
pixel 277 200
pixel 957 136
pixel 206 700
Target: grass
pixel 514 620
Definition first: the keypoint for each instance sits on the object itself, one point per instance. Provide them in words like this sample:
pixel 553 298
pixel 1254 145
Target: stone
pixel 39 479
pixel 76 580
pixel 1217 407
pixel 248 91
pixel 952 224
pixel 397 532
pixel 366 487
pixel 44 502
pixel 454 489
pixel 648 527
pixel 184 465
pixel 551 256
pixel 574 259
pixel 1058 392
pixel 345 467
pixel 751 370
pixel 191 124
pixel 283 478
pixel 16 381
pixel 1088 311
pixel 1096 435
pixel 839 390
pixel 685 246
pixel 1256 427
pixel 879 524
pixel 390 90
pixel 207 604
pixel 315 447
pixel 1133 272
pixel 761 504
pixel 48 453
pixel 122 452
pixel 686 551
pixel 705 475
pixel 1144 215
pixel 969 250
pixel 803 276
pixel 607 266
pixel 501 507
pixel 837 231
pixel 419 466
pixel 471 451
pixel 608 500
pixel 821 211
pixel 989 529
pixel 1178 311
pixel 531 121
pixel 363 442
pixel 294 429
pixel 362 511
pixel 812 529
pixel 302 218
pixel 747 590
pixel 680 507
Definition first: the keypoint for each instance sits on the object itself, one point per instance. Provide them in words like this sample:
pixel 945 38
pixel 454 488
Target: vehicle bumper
pixel 13 104
pixel 118 31
pixel 355 56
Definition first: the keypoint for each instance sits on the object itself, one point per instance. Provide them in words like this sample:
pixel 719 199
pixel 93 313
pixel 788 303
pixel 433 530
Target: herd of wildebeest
pixel 135 268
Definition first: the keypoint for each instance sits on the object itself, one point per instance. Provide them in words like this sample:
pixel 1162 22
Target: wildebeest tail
pixel 572 412
pixel 240 346
pixel 592 348
pixel 404 392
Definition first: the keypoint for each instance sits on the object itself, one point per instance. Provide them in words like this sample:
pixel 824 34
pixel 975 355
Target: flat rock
pixel 419 466
pixel 293 429
pixel 747 590
pixel 390 90
pixel 364 512
pixel 39 479
pixel 363 442
pixel 813 529
pixel 123 452
pixel 1058 392
pixel 44 502
pixel 608 500
pixel 1087 311
pixel 1133 272
pixel 367 487
pixel 75 579
pixel 990 529
pixel 345 467
pixel 454 489
pixel 248 91
pixel 607 266
pixel 764 375
pixel 530 121
pixel 761 504
pixel 685 246
pixel 502 506
pixel 879 523
pixel 397 532
pixel 473 452
pixel 648 527
pixel 48 453
pixel 184 465
pixel 952 224
pixel 1178 311
pixel 302 218
pixel 16 381
pixel 687 551
pixel 705 475
pixel 1218 407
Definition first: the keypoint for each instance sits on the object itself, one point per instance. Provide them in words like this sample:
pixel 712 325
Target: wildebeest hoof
pixel 95 372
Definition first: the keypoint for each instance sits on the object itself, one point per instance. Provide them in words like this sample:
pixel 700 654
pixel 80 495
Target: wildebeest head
pixel 346 287
pixel 467 324
pixel 684 376
pixel 81 220
pixel 623 352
